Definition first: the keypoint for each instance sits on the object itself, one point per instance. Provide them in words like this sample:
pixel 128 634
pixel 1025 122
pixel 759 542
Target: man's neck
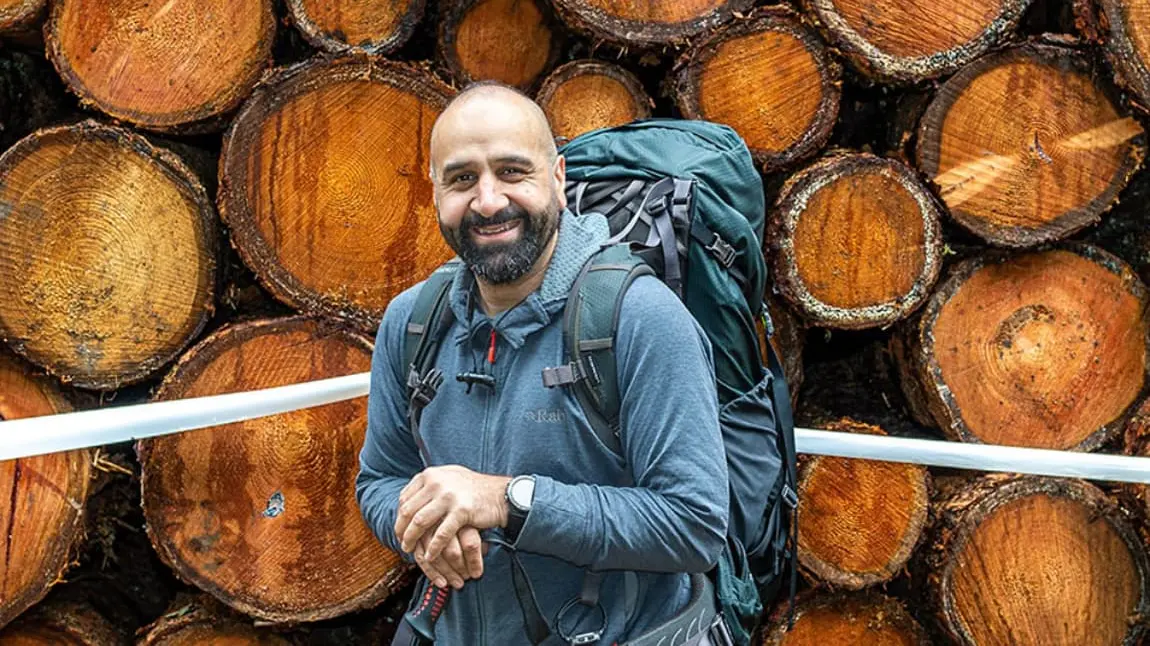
pixel 496 299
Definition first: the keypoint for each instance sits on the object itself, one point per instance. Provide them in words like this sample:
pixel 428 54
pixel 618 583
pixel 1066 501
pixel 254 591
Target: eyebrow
pixel 451 167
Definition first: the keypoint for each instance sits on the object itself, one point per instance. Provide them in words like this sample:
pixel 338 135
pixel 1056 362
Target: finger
pixel 411 487
pixel 432 571
pixel 426 518
pixel 453 557
pixel 471 544
pixel 454 576
pixel 408 508
pixel 448 527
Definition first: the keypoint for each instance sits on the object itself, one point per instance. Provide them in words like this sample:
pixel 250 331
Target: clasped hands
pixel 441 512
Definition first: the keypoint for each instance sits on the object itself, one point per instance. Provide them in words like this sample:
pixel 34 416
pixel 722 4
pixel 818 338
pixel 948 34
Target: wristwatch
pixel 520 492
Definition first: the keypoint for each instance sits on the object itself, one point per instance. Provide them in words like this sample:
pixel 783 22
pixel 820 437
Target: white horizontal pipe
pixel 67 431
pixel 980 457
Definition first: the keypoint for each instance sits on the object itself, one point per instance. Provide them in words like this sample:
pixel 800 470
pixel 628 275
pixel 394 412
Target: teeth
pixel 499 228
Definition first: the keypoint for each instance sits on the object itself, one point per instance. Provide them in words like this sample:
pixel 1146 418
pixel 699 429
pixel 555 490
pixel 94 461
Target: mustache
pixel 509 213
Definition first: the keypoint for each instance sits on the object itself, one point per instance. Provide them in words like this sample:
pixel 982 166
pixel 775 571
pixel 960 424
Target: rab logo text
pixel 545 416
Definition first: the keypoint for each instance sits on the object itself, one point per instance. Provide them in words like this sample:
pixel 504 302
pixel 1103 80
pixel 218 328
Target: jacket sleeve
pixel 674 517
pixel 389 458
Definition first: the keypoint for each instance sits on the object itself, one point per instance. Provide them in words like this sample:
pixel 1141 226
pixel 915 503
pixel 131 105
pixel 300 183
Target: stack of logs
pixel 210 196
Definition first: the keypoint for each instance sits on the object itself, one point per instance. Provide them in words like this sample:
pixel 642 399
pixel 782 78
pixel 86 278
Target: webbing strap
pixel 785 422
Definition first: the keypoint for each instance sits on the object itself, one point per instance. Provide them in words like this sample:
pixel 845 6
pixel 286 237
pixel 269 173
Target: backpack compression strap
pixel 785 423
pixel 589 336
pixel 429 321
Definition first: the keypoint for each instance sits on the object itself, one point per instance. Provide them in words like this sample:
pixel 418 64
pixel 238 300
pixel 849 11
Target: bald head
pixel 490 110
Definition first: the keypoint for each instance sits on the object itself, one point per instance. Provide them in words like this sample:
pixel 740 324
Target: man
pixel 646 518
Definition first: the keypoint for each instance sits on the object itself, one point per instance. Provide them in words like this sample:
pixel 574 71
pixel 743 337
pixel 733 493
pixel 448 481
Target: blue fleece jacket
pixel 646 517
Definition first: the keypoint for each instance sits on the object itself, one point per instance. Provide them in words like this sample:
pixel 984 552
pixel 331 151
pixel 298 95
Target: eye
pixel 462 178
pixel 513 172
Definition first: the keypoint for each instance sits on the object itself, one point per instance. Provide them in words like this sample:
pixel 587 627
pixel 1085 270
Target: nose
pixel 488 200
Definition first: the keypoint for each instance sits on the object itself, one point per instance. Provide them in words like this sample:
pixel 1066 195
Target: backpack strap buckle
pixel 722 250
pixel 423 387
pixel 790 497
pixel 571 373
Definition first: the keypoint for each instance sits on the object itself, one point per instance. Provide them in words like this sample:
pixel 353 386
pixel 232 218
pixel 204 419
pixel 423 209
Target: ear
pixel 560 177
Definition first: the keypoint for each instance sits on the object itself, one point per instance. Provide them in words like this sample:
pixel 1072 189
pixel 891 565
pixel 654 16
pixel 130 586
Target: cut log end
pixel 586 95
pixel 856 241
pixel 63 624
pixel 633 23
pixel 1044 349
pixel 859 521
pixel 846 619
pixel 166 66
pixel 1123 29
pixel 896 42
pixel 511 41
pixel 1011 171
pixel 340 26
pixel 1025 560
pixel 376 234
pixel 262 514
pixel 42 498
pixel 108 270
pixel 769 78
pixel 201 620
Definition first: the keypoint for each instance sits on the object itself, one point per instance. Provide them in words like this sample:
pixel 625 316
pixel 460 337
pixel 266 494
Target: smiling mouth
pixel 496 229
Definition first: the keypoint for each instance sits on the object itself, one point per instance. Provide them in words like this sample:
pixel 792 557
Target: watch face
pixel 521 492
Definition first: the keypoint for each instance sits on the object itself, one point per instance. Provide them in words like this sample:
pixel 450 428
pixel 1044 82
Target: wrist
pixel 502 505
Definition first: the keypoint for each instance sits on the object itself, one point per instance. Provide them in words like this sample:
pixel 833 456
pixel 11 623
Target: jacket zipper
pixel 483 463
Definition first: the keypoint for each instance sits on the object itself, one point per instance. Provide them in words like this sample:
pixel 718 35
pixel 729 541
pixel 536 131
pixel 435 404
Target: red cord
pixel 491 350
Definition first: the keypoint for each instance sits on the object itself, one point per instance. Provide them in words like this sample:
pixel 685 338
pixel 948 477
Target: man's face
pixel 497 192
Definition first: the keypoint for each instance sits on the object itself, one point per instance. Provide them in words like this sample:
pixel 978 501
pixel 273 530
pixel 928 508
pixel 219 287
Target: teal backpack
pixel 685 196
pixel 684 202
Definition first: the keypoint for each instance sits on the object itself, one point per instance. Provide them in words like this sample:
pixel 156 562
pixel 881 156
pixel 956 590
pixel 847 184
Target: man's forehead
pixel 487 145
pixel 489 125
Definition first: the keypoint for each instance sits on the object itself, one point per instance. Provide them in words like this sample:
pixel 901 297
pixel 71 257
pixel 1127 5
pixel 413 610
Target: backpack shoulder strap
pixel 590 321
pixel 430 319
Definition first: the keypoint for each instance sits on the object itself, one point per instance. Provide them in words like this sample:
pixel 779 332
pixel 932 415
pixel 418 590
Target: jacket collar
pixel 579 239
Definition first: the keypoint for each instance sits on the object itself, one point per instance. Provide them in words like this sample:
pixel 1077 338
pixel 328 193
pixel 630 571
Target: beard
pixel 499 263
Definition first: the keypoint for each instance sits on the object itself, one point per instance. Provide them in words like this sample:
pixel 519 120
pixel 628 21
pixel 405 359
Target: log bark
pixel 262 514
pixel 845 619
pixel 1026 560
pixel 327 196
pixel 63 624
pixel 787 338
pixel 588 94
pixel 1136 441
pixel 901 43
pixel 1122 29
pixel 19 15
pixel 855 241
pixel 859 520
pixel 770 78
pixel 194 620
pixel 179 66
pixel 346 26
pixel 513 41
pixel 634 23
pixel 107 270
pixel 1006 167
pixel 1044 349
pixel 42 498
